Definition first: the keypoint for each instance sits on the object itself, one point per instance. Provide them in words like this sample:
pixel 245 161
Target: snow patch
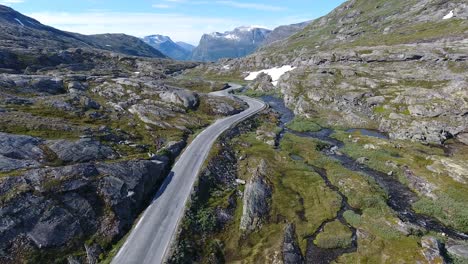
pixel 275 73
pixel 19 22
pixel 232 36
pixel 159 38
pixel 449 15
pixel 227 67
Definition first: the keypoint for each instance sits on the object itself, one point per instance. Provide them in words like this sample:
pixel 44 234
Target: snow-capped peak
pixel 159 38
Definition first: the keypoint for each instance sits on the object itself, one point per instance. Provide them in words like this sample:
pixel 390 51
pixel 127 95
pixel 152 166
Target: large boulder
pixel 20 147
pixel 262 83
pixel 18 152
pixel 181 97
pixel 83 150
pixel 257 200
pixel 48 85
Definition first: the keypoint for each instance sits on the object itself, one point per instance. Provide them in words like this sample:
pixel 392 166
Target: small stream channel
pixel 400 196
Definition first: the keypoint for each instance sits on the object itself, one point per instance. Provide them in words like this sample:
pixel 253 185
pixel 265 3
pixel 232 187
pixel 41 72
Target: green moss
pixel 334 235
pixel 352 218
pixel 301 124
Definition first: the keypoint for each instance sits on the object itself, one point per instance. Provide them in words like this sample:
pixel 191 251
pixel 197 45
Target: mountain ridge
pixel 22 32
pixel 167 46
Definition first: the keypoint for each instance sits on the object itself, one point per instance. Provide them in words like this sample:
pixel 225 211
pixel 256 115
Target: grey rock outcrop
pixel 460 251
pixel 256 201
pixel 431 250
pixel 83 150
pixel 53 207
pixel 18 152
pixel 92 253
pixel 181 97
pixel 20 147
pixel 291 251
pixel 262 83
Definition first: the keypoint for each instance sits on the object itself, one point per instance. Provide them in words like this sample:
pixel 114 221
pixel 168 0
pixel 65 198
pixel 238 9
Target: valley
pixel 342 139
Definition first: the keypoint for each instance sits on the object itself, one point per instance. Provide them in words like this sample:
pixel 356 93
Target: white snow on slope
pixel 19 22
pixel 275 73
pixel 232 36
pixel 449 15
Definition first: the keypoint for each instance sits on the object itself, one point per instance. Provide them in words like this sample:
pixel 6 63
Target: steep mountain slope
pixel 186 46
pixel 21 32
pixel 372 23
pixel 167 47
pixel 284 32
pixel 240 42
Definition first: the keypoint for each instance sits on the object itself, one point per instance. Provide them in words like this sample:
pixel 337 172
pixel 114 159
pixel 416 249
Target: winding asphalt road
pixel 150 240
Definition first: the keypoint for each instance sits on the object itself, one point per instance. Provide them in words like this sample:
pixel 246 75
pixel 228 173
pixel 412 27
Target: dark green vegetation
pixel 300 196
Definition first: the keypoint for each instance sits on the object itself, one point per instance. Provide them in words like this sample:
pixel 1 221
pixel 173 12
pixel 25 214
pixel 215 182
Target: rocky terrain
pixel 168 47
pixel 283 32
pixel 402 74
pixel 371 168
pixel 86 137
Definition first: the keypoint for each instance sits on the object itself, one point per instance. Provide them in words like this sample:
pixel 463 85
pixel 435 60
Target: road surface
pixel 150 240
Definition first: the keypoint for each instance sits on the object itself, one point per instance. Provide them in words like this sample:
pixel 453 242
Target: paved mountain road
pixel 150 240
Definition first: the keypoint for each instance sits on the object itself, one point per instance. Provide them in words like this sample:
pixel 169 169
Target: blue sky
pixel 182 20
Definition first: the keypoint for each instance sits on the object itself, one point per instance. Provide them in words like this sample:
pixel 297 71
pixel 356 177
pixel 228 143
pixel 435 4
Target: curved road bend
pixel 150 240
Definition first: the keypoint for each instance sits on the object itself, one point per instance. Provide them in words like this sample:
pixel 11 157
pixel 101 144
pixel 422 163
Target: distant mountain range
pixel 240 42
pixel 169 48
pixel 18 31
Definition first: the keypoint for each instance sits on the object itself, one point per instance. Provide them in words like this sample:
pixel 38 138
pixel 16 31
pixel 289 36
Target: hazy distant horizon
pixel 182 20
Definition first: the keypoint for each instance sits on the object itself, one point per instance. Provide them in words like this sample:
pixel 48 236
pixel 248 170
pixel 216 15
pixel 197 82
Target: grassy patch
pixel 334 235
pixel 301 124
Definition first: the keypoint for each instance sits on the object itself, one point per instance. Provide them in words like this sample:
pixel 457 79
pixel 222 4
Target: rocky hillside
pixel 86 138
pixel 19 32
pixel 372 167
pixel 397 66
pixel 168 47
pixel 284 32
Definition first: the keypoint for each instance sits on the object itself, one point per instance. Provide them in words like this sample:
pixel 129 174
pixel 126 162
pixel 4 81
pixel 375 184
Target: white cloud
pixel 10 2
pixel 161 6
pixel 251 6
pixel 178 26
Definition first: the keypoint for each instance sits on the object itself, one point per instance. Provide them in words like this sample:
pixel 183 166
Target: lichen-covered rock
pixel 181 97
pixel 20 147
pixel 256 202
pixel 291 251
pixel 262 83
pixel 83 150
pixel 18 152
pixel 431 250
pixel 53 208
pixel 460 251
